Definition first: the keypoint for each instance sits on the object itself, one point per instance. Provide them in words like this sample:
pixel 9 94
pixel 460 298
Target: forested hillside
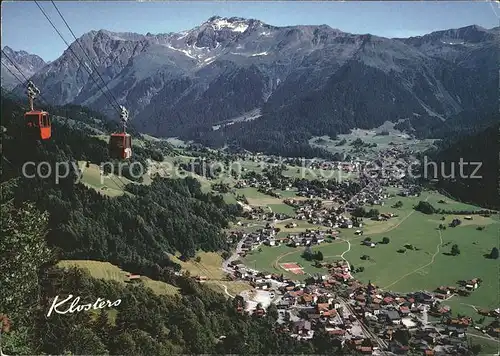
pixel 200 320
pixel 43 222
pixel 133 231
pixel 480 182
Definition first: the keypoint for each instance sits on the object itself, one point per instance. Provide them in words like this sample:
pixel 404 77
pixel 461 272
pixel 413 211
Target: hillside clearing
pixel 110 272
pixel 210 267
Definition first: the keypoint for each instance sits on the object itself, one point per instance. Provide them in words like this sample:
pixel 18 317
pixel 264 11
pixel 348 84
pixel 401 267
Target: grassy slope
pixel 109 185
pixel 210 267
pixel 107 271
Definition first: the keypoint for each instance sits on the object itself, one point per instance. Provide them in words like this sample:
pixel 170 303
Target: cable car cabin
pixel 38 123
pixel 120 146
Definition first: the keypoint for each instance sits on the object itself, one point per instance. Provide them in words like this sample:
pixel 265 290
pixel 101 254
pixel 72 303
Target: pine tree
pixel 101 325
pixel 455 250
pixel 319 256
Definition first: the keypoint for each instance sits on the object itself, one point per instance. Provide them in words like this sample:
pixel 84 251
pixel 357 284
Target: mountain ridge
pixel 28 63
pixel 177 84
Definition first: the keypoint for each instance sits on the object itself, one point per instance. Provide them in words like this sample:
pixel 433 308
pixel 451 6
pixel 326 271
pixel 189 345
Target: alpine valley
pixel 241 81
pixel 285 206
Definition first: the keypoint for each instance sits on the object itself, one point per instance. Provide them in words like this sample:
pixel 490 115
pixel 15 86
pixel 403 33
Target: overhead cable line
pixel 117 108
pixel 85 52
pixel 22 74
pixel 14 74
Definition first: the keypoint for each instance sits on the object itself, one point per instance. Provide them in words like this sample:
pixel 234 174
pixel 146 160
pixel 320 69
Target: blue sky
pixel 25 27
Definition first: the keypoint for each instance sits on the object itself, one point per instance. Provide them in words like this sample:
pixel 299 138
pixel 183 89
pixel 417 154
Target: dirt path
pixel 276 261
pixel 483 337
pixel 419 268
pixel 399 223
pixel 472 306
pixel 225 289
pixel 212 278
pixel 343 253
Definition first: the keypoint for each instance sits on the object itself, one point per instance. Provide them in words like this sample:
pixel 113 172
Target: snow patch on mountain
pixel 186 52
pixel 453 43
pixel 219 24
pixel 259 54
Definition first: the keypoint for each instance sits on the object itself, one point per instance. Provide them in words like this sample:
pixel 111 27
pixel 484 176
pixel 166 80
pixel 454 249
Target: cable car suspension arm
pixel 124 117
pixel 32 92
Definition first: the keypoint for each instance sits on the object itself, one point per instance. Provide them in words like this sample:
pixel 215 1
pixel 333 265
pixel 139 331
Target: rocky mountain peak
pixel 9 50
pixel 219 30
pixel 236 24
pixel 470 34
pixel 25 58
pixel 28 63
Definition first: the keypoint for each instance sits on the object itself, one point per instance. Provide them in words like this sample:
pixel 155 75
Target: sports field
pixel 426 267
pixel 293 268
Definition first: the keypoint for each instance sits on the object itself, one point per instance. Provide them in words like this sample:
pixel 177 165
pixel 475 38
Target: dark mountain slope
pixel 329 109
pixel 482 150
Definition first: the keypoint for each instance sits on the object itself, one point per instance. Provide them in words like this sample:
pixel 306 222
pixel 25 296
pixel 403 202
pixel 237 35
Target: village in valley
pixel 356 258
pixel 354 248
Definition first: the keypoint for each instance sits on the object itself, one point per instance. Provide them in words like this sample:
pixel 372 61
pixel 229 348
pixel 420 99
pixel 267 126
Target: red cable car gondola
pixel 120 144
pixel 37 121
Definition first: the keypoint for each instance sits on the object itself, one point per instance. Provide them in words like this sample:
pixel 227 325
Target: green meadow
pixel 110 185
pixel 426 267
pixel 107 271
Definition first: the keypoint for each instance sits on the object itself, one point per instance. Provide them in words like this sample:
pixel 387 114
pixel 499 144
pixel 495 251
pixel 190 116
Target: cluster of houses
pixel 260 182
pixel 466 287
pixel 372 194
pixel 347 167
pixel 315 213
pixel 268 236
pixel 410 190
pixel 361 316
pixel 309 237
pixel 259 214
pixel 252 240
pixel 337 192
